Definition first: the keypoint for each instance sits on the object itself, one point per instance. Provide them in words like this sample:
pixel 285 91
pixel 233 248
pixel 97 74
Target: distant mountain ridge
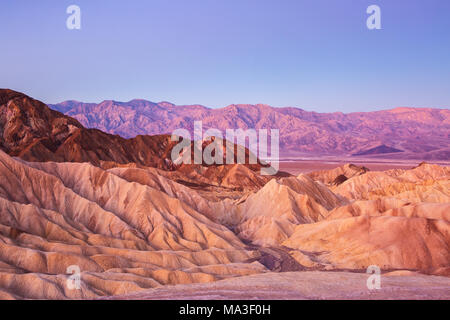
pixel 420 133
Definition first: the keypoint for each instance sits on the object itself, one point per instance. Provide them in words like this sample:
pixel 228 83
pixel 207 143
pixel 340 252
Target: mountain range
pixel 401 133
pixel 138 227
pixel 33 132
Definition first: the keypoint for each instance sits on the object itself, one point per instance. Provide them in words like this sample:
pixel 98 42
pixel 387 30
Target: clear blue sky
pixel 314 54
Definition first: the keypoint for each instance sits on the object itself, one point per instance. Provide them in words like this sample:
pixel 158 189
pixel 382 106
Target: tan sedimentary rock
pixel 338 175
pixel 269 216
pixel 390 242
pixel 425 183
pixel 62 214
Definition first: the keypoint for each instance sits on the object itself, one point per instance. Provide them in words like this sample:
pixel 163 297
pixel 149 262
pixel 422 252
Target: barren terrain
pixel 148 230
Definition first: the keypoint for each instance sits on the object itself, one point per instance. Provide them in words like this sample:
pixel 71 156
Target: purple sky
pixel 315 54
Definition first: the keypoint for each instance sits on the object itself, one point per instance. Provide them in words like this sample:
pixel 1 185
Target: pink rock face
pixel 401 133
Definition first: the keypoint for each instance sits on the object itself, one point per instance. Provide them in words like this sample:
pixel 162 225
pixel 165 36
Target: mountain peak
pixel 8 94
pixel 166 104
pixel 407 109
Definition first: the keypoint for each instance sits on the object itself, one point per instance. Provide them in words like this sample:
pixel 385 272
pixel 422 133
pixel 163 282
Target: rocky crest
pixel 32 131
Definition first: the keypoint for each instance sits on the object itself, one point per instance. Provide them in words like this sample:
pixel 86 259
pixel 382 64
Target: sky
pixel 314 54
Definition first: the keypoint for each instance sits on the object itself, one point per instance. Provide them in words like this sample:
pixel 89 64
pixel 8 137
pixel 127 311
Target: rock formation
pixel 71 196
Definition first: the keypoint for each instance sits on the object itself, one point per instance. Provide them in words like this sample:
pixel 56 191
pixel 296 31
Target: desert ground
pixel 305 286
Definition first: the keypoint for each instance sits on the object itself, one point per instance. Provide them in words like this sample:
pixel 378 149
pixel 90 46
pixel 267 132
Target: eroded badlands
pixel 133 229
